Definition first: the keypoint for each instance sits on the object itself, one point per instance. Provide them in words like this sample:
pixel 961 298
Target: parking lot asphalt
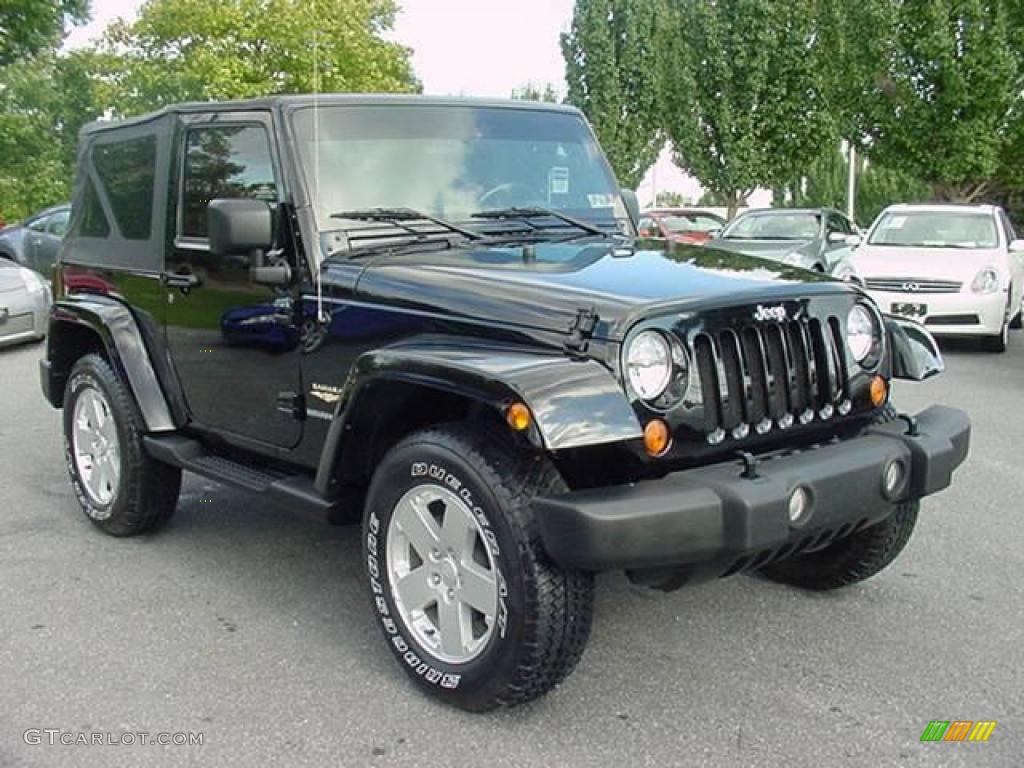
pixel 251 627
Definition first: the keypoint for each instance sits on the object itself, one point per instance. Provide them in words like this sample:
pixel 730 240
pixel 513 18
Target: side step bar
pixel 295 492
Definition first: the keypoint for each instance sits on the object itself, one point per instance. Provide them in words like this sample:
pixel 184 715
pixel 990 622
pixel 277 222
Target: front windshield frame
pixel 729 232
pixel 943 216
pixel 613 215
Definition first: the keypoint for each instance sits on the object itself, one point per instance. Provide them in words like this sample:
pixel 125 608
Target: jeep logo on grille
pixel 763 314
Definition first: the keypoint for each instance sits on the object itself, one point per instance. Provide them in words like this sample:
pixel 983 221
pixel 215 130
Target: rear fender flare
pixel 118 331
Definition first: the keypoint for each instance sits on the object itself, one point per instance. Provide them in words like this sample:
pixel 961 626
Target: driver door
pixel 234 343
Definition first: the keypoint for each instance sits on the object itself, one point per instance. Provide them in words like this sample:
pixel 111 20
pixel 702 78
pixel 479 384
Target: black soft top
pixel 292 102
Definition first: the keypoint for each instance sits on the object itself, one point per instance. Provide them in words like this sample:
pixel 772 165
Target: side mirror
pixel 836 238
pixel 713 233
pixel 1017 246
pixel 853 240
pixel 632 205
pixel 238 226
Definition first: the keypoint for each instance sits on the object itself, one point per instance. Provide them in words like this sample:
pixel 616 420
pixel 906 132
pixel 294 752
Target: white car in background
pixel 958 269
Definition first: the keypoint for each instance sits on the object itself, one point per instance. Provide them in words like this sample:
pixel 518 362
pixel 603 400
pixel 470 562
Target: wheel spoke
pixel 414 590
pixel 83 435
pixel 98 417
pixel 458 532
pixel 479 589
pixel 419 526
pixel 452 617
pixel 113 466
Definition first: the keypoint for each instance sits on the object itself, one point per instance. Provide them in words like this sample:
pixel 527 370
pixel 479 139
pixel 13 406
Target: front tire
pixel 1001 340
pixel 854 558
pixel 468 600
pixel 120 488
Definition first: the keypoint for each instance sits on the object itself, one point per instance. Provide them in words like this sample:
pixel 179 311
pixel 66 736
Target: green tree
pixel 28 27
pixel 742 92
pixel 532 92
pixel 937 84
pixel 181 50
pixel 611 70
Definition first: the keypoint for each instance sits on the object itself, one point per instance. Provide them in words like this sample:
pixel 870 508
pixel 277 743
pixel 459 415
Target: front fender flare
pixel 574 403
pixel 915 353
pixel 122 340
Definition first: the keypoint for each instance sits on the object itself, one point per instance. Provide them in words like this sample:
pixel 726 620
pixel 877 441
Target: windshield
pixel 774 226
pixel 452 161
pixel 685 222
pixel 935 229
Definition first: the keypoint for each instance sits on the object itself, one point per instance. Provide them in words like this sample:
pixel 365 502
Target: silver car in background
pixel 811 238
pixel 24 304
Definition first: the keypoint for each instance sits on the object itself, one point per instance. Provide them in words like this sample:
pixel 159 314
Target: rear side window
pixel 224 162
pixel 127 170
pixel 94 222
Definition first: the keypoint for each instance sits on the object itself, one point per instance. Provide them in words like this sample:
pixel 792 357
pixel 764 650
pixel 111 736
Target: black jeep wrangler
pixel 435 316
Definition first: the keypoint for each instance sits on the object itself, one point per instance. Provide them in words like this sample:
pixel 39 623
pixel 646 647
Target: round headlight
pixel 649 364
pixel 862 333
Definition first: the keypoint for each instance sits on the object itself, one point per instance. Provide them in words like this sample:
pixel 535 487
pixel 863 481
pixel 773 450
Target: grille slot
pixel 772 372
pixel 911 285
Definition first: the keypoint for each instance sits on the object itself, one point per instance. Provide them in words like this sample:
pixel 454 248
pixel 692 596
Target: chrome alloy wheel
pixel 95 448
pixel 444 580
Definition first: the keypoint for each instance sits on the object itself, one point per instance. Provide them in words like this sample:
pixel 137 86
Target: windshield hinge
pixel 581 331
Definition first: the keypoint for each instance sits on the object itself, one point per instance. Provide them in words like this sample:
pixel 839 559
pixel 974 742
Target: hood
pixel 548 288
pixel 10 278
pixel 957 264
pixel 769 249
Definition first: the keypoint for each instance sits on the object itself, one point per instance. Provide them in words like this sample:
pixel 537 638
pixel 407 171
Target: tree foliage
pixel 534 92
pixel 28 27
pixel 611 70
pixel 184 50
pixel 934 87
pixel 742 100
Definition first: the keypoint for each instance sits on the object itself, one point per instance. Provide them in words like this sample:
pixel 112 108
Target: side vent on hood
pixel 581 331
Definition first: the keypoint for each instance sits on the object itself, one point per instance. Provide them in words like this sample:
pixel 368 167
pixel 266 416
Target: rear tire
pixel 526 630
pixel 121 489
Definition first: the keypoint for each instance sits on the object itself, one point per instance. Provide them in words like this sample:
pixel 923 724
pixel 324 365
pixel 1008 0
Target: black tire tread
pixel 854 558
pixel 151 494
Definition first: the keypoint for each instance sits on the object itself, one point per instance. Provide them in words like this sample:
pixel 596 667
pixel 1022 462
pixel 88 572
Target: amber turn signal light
pixel 879 391
pixel 518 417
pixel 657 438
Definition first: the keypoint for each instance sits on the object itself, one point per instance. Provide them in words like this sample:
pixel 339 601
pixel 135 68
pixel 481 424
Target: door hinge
pixel 581 331
pixel 293 404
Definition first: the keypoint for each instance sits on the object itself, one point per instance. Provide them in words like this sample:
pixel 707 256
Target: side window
pixel 57 225
pixel 837 224
pixel 223 162
pixel 94 222
pixel 647 228
pixel 127 170
pixel 39 225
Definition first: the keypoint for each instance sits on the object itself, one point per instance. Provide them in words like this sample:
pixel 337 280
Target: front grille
pixel 16 324
pixel 912 285
pixel 772 375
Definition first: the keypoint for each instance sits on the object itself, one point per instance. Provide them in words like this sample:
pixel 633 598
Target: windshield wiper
pixel 400 217
pixel 535 212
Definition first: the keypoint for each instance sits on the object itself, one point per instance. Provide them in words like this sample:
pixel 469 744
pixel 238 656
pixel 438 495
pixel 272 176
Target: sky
pixel 470 48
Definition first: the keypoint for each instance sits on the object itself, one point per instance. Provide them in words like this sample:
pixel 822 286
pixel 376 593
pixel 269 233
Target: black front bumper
pixel 713 521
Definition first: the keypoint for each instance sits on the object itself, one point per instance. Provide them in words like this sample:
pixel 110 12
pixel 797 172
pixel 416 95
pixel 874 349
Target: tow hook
pixel 911 424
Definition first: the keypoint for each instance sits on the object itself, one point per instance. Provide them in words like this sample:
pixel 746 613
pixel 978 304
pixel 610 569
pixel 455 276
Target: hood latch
pixel 581 331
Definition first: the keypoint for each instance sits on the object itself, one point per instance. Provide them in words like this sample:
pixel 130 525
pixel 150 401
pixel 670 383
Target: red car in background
pixel 680 225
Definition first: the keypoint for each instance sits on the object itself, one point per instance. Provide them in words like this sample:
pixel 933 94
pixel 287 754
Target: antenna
pixel 321 316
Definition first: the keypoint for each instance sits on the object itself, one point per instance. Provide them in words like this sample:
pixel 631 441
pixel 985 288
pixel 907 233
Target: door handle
pixel 184 281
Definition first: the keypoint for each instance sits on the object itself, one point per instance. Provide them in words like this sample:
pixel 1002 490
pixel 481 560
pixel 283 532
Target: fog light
pixel 518 417
pixel 657 438
pixel 892 480
pixel 799 506
pixel 879 391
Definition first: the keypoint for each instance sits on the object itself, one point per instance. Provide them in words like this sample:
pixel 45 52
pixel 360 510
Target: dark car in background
pixel 811 238
pixel 34 243
pixel 680 225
